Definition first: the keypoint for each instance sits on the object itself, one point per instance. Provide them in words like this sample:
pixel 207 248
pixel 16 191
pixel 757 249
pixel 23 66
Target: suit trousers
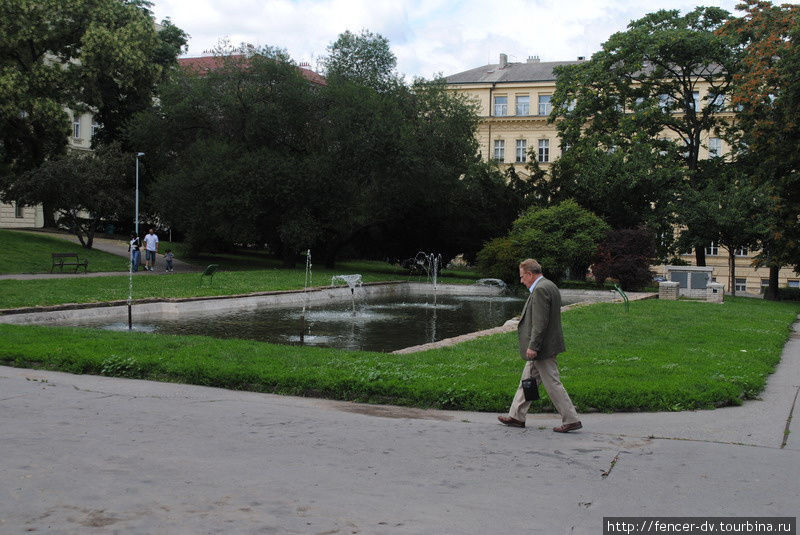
pixel 545 371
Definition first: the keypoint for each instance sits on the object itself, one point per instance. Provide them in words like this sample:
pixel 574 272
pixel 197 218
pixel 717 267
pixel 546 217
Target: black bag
pixel 531 389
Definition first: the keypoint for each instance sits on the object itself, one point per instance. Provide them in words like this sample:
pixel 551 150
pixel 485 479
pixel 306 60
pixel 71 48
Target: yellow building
pixel 514 104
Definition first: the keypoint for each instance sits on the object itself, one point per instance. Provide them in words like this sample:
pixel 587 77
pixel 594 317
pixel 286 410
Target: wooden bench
pixel 68 259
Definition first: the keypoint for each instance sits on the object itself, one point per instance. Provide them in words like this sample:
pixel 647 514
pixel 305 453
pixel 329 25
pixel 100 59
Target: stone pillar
pixel 668 290
pixel 715 292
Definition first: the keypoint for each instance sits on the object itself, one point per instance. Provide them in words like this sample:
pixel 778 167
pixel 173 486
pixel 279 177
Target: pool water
pixel 373 324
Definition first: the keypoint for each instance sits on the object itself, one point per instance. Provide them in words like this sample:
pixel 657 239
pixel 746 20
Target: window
pixel 793 283
pixel 741 251
pixel 76 128
pixel 717 100
pixel 522 148
pixel 665 102
pixel 544 104
pixel 712 249
pixel 523 105
pixel 499 150
pixel 19 211
pixel 544 150
pixel 572 104
pixel 765 283
pixel 714 147
pixel 741 285
pixel 500 106
pixel 695 102
pixel 95 128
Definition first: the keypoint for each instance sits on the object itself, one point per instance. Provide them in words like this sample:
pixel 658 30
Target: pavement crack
pixel 614 462
pixel 789 420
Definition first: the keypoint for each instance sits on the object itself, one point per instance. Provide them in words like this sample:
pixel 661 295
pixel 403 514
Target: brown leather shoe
pixel 510 422
pixel 566 428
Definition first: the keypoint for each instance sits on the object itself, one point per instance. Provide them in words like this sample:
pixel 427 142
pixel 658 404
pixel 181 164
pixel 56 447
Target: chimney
pixel 533 59
pixel 503 61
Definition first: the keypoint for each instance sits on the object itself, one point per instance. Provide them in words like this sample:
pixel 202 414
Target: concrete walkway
pixel 112 246
pixel 85 455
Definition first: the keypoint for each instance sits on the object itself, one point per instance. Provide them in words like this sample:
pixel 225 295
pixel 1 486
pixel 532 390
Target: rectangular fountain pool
pixel 374 324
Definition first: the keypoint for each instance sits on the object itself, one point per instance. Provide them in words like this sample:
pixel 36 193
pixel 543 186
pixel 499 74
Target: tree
pixel 634 185
pixel 104 56
pixel 85 188
pixel 364 59
pixel 626 255
pixel 645 81
pixel 559 237
pixel 730 207
pixel 228 150
pixel 253 153
pixel 766 91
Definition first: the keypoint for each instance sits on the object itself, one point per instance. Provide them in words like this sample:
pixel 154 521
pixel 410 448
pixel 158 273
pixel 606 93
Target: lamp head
pixel 138 154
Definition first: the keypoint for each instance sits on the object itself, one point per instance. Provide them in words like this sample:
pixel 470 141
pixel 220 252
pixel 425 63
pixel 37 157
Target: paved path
pixel 86 455
pixel 112 246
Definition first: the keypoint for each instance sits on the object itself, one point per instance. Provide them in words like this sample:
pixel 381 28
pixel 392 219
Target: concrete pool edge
pixel 54 314
pixel 511 325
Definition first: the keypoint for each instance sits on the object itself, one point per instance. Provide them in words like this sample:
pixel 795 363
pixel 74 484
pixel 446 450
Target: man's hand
pixel 530 354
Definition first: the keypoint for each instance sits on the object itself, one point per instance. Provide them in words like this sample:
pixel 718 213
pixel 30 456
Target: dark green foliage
pixel 84 188
pixel 626 255
pixel 364 59
pixel 103 55
pixel 614 109
pixel 252 153
pixel 561 237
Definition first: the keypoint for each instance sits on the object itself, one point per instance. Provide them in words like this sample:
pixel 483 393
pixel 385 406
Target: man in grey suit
pixel 540 340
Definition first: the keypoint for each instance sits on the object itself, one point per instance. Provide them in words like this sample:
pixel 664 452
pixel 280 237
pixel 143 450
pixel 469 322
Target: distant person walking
pixel 150 250
pixel 135 250
pixel 540 340
pixel 168 260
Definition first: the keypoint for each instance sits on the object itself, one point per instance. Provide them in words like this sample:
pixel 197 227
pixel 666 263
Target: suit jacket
pixel 539 326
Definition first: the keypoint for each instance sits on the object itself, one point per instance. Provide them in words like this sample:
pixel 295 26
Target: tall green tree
pixel 228 152
pixel 766 93
pixel 364 58
pixel 645 82
pixel 103 56
pixel 85 188
pixel 730 206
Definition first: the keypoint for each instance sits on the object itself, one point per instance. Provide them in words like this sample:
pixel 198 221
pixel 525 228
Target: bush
pixel 558 236
pixel 499 259
pixel 626 255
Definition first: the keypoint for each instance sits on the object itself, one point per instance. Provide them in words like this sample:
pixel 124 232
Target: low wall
pixel 118 310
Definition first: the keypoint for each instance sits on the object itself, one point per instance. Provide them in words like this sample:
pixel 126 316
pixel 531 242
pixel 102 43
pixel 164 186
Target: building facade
pixel 514 105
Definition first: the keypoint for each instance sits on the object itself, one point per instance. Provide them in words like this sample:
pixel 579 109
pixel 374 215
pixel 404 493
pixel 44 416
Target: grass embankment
pixel 659 356
pixel 29 252
pixel 25 293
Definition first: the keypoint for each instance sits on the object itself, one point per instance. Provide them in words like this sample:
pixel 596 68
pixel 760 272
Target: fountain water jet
pixel 306 284
pixel 353 281
pixel 431 263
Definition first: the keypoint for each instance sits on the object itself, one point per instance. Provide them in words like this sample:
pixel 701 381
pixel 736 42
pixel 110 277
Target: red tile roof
pixel 205 64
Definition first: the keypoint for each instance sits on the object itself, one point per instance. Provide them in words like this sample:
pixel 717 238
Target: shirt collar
pixel 534 284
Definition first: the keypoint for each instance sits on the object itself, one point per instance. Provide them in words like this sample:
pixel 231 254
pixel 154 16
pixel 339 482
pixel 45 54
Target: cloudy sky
pixel 427 36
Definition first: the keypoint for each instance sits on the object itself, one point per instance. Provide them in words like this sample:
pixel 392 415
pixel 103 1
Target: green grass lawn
pixel 23 293
pixel 29 252
pixel 662 355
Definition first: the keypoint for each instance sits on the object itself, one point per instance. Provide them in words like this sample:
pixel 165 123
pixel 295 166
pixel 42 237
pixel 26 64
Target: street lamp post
pixel 136 222
pixel 130 260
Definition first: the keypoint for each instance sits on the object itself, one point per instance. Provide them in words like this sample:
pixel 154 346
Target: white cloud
pixel 446 36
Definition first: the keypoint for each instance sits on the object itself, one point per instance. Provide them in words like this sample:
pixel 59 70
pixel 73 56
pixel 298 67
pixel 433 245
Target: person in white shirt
pixel 150 250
